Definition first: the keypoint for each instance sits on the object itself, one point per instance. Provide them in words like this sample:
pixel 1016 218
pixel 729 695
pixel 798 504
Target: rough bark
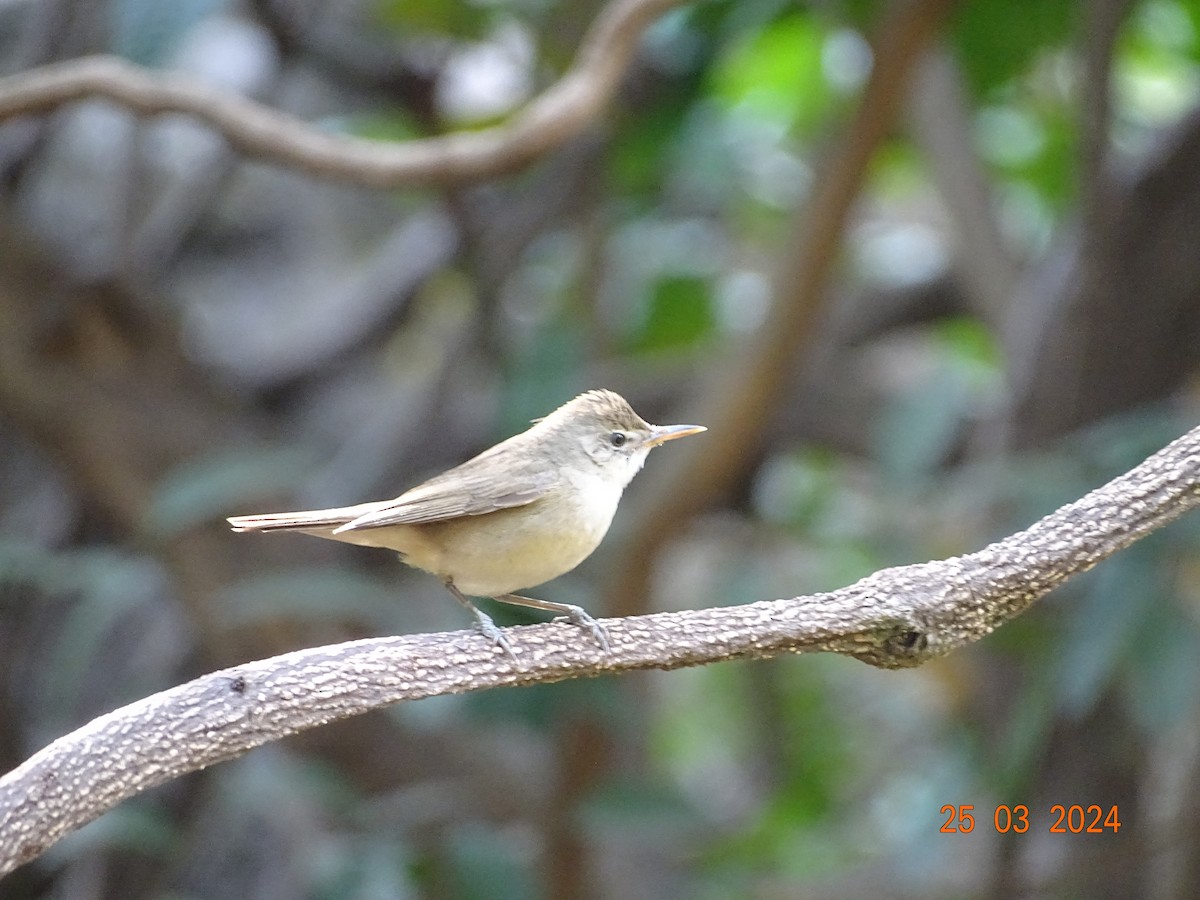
pixel 897 617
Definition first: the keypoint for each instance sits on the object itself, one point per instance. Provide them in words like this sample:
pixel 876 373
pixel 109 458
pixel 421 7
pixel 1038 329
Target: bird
pixel 519 514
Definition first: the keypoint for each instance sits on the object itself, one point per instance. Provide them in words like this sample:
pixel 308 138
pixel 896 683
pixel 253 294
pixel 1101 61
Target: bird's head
pixel 604 428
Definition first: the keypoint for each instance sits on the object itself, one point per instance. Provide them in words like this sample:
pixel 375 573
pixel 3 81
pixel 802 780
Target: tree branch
pixel 941 126
pixel 894 618
pixel 548 121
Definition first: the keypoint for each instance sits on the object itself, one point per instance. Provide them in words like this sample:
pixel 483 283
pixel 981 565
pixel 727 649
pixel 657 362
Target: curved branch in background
pixel 1102 24
pixel 549 120
pixel 894 618
pixel 1109 321
pixel 751 387
pixel 941 126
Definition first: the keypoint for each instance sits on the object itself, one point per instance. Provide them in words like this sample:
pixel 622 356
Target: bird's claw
pixel 579 617
pixel 490 630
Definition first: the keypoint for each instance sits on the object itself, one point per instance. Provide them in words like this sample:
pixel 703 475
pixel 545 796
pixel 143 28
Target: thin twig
pixel 561 112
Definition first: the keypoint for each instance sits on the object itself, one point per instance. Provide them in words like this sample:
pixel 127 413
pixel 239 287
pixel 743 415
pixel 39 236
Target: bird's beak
pixel 660 434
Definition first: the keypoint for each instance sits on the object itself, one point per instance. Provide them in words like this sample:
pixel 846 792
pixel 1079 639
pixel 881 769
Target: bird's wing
pixel 473 489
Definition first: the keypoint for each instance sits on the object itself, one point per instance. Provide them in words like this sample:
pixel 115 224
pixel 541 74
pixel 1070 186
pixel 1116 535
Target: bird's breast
pixel 513 549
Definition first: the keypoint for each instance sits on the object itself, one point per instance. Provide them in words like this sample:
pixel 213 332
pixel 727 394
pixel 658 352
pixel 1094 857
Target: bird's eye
pixel 618 438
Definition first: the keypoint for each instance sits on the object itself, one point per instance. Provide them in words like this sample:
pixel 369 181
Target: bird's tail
pixel 299 521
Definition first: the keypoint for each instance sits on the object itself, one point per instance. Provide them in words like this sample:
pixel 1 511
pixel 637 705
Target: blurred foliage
pixel 414 18
pixel 999 44
pixel 777 74
pixel 919 431
pixel 777 773
pixel 200 490
pixel 680 314
pixel 148 32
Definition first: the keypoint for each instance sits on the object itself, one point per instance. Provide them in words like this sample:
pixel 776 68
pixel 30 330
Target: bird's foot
pixel 576 615
pixel 483 622
pixel 581 618
pixel 490 630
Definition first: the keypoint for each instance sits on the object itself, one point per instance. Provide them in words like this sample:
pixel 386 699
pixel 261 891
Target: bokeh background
pixel 926 270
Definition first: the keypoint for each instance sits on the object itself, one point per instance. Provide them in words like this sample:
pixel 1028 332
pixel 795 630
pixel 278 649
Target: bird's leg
pixel 576 614
pixel 483 622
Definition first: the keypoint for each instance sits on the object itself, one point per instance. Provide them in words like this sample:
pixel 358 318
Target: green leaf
pixel 640 159
pixel 391 126
pixel 680 314
pixel 999 39
pixel 972 344
pixel 412 17
pixel 777 73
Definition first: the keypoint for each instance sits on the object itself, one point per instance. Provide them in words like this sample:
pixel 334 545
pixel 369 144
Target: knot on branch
pixel 898 644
